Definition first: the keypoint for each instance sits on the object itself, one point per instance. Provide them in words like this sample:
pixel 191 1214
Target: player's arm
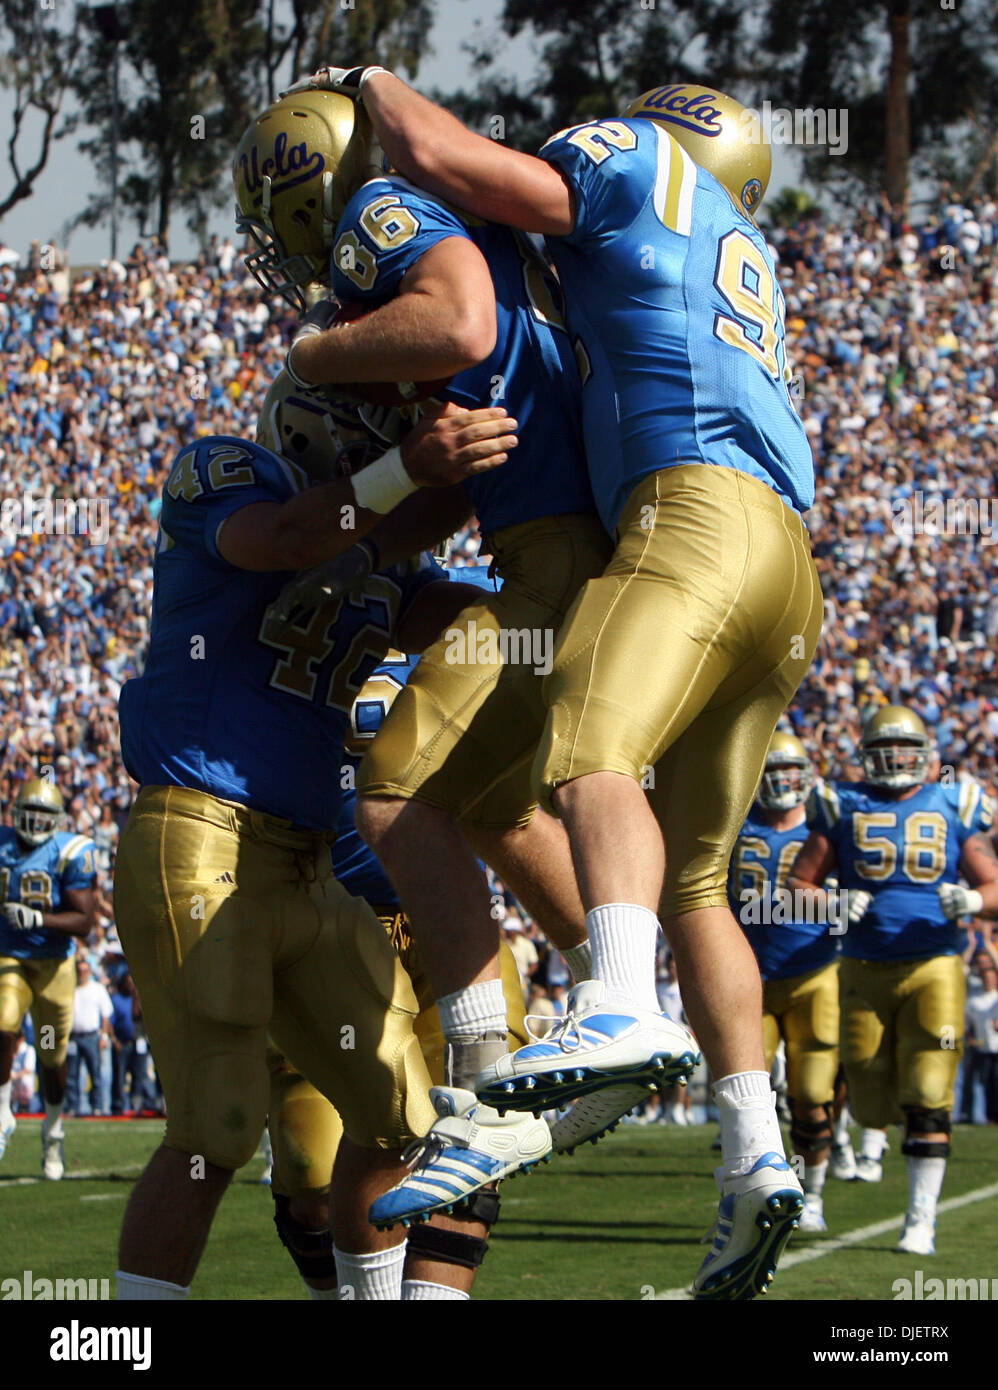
pixel 76 918
pixel 430 146
pixel 442 321
pixel 815 862
pixel 979 866
pixel 322 522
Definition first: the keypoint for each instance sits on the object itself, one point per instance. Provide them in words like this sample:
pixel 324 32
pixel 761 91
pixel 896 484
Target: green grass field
pixel 619 1221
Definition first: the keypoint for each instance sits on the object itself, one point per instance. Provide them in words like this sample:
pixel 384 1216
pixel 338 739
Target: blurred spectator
pixel 92 1014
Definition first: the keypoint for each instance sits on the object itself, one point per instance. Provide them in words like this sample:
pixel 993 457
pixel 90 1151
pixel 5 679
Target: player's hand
pixel 853 902
pixel 21 917
pixel 457 443
pixel 959 902
pixel 329 580
pixel 349 81
pixel 858 904
pixel 317 320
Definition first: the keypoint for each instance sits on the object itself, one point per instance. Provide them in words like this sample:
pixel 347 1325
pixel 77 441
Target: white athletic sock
pixel 746 1107
pixel 467 1013
pixel 5 1091
pixel 579 960
pixel 371 1275
pixel 319 1295
pixel 419 1289
pixel 841 1136
pixel 925 1182
pixel 872 1144
pixel 52 1124
pixel 138 1287
pixel 814 1177
pixel 623 939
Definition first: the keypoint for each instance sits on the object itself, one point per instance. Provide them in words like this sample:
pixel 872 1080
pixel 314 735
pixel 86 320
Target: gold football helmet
pixel 717 132
pixel 788 777
pixel 327 438
pixel 38 809
pixel 895 748
pixel 294 171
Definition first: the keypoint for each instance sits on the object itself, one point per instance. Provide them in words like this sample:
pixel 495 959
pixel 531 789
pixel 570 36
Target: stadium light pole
pixel 112 29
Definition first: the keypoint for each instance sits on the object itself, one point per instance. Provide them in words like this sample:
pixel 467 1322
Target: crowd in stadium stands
pixel 105 374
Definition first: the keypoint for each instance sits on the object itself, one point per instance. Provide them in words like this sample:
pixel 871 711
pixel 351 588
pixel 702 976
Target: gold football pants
pixel 804 1011
pixel 305 1130
pixel 462 734
pixel 902 1034
pixel 47 988
pixel 235 927
pixel 674 666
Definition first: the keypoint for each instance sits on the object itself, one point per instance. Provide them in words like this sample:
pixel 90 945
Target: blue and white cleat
pixel 594 1046
pixel 7 1128
pixel 758 1213
pixel 469 1147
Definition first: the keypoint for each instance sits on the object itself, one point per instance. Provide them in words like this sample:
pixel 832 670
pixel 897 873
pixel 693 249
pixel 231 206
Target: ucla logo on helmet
pixel 686 107
pixel 290 165
pixel 752 194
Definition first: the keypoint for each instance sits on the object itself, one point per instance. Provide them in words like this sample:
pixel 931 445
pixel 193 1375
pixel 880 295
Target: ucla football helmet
pixel 789 776
pixel 294 171
pixel 38 809
pixel 717 132
pixel 895 748
pixel 327 438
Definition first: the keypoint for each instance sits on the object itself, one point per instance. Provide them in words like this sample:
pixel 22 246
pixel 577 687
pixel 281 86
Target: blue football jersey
pixel 386 227
pixel 39 877
pixel 760 864
pixel 233 702
pixel 355 864
pixel 900 851
pixel 673 294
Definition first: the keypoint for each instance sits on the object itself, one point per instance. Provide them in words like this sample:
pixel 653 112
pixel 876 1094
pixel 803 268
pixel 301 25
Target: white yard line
pixel 856 1237
pixel 84 1175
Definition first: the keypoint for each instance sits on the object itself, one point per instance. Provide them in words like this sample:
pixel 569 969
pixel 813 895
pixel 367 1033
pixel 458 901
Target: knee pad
pixel 811 1134
pixel 454 1247
pixel 312 1251
pixel 920 1122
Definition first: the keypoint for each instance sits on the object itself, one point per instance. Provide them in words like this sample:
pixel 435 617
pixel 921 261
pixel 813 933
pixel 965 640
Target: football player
pixel 47 879
pixel 304 1127
pixel 904 841
pixel 797 960
pixel 449 775
pixel 227 908
pixel 675 665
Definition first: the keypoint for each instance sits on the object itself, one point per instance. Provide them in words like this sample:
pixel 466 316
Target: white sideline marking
pixel 104 1197
pixel 877 1228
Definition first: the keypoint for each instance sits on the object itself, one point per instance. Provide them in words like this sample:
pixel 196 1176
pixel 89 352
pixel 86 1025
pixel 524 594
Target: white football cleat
pixel 842 1163
pixel 596 1045
pixel 812 1218
pixel 593 1116
pixel 919 1234
pixel 756 1217
pixel 7 1128
pixel 53 1156
pixel 469 1147
pixel 869 1169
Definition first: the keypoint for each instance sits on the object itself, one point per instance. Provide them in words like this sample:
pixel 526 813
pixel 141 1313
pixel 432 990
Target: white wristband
pixel 975 903
pixel 383 484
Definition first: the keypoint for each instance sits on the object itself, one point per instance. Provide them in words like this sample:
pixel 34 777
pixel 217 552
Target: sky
pixel 68 179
